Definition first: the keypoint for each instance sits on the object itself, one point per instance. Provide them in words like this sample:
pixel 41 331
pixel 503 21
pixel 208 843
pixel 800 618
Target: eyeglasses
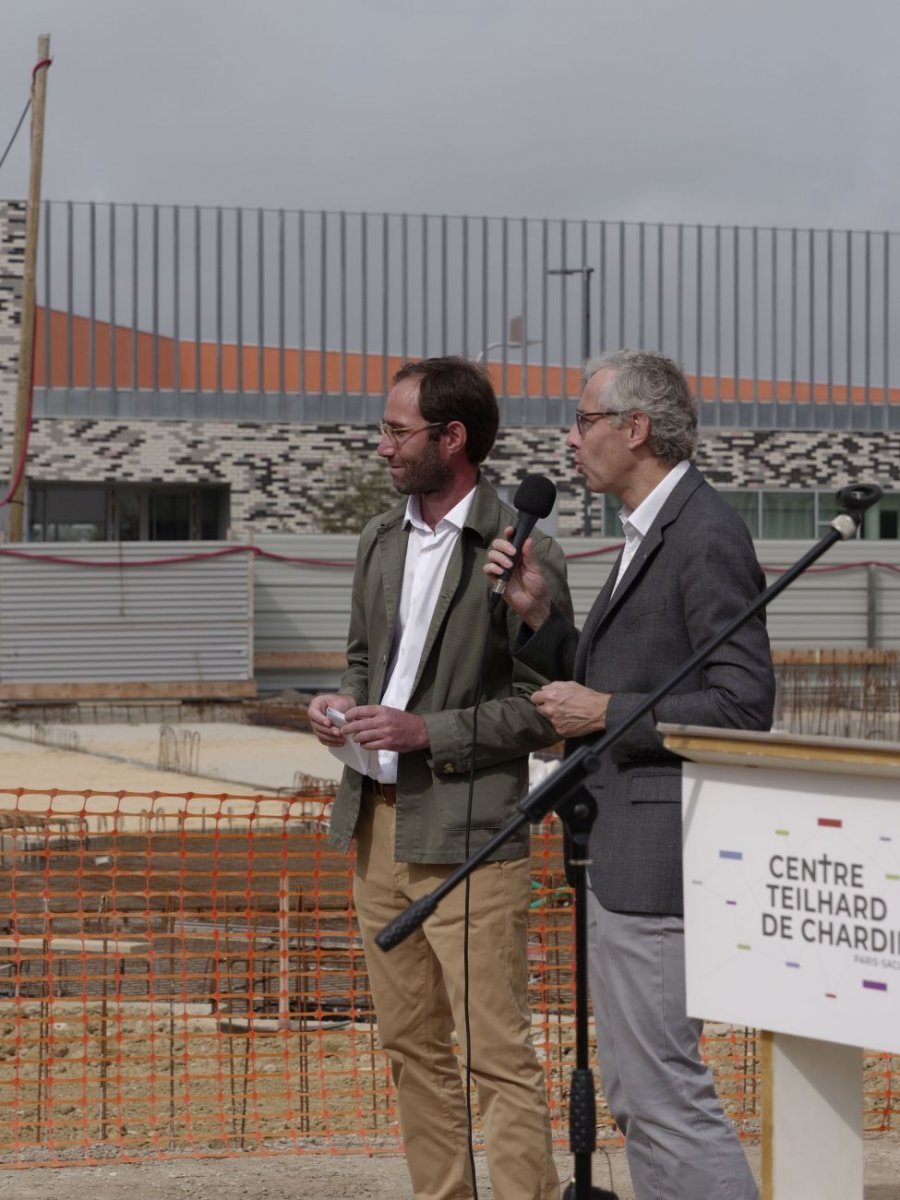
pixel 584 420
pixel 399 436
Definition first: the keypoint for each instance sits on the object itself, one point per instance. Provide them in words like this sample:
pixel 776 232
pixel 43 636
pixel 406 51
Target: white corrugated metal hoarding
pixel 849 600
pixel 184 615
pixel 302 609
pixel 302 592
pixel 203 618
pixel 303 606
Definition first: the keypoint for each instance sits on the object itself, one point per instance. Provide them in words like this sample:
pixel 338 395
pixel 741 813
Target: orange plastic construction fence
pixel 182 974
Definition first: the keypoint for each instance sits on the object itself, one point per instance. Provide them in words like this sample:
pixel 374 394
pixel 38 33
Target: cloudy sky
pixel 717 111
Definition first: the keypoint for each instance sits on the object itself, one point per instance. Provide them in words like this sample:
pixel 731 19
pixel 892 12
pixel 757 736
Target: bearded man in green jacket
pixel 420 620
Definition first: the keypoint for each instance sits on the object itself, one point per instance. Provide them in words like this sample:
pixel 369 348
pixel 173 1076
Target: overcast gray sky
pixel 717 111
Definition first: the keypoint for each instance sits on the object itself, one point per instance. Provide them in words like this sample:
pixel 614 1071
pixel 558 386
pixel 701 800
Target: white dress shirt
pixel 427 555
pixel 637 521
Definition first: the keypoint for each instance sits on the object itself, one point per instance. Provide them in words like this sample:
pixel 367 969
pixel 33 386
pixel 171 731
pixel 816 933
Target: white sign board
pixel 792 902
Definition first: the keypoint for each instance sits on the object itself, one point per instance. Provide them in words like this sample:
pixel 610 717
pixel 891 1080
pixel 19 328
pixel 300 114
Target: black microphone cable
pixel 479 691
pixel 534 500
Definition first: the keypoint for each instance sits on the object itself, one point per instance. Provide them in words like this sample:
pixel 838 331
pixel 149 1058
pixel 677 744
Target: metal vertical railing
pixel 231 312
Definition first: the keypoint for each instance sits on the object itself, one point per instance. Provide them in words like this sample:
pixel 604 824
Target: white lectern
pixel 792 925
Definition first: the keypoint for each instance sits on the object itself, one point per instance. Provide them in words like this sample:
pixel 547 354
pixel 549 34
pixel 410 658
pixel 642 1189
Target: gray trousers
pixel 680 1144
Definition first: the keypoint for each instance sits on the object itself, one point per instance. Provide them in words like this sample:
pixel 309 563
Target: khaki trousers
pixel 417 988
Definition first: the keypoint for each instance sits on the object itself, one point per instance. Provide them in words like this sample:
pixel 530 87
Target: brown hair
pixel 455 389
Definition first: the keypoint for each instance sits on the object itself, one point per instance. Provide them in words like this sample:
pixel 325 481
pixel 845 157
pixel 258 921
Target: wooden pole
pixel 26 341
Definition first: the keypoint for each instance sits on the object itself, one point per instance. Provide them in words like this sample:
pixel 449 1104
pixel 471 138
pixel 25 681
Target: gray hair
pixel 652 384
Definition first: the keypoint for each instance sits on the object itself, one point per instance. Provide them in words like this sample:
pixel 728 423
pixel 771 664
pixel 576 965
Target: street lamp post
pixel 515 339
pixel 585 272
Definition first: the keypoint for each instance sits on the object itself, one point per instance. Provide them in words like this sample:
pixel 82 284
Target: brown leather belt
pixel 381 791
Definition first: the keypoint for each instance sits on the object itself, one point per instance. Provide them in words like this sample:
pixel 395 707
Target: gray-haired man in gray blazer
pixel 686 569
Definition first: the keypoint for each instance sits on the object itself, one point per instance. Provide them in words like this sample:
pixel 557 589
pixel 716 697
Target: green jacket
pixel 433 784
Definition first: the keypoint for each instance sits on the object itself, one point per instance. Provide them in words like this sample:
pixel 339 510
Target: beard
pixel 424 475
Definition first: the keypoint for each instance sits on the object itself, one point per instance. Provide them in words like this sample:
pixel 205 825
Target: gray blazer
pixel 694 571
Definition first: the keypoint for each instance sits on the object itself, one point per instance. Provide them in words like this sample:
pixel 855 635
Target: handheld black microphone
pixel 534 500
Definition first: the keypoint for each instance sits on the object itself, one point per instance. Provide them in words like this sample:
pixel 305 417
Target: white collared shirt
pixel 637 521
pixel 427 555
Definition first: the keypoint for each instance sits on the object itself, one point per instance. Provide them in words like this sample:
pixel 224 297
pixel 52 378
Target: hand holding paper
pixel 351 753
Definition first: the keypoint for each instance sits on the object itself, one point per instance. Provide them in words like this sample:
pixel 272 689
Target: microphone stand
pixel 565 792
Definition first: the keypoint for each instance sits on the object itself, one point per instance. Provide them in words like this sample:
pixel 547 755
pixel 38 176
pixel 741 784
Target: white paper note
pixel 351 753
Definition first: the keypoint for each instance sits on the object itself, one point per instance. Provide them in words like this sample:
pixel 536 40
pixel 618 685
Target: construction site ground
pixel 243 759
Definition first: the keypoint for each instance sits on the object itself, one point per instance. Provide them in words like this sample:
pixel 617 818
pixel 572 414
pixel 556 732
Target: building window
pixel 788 515
pixel 806 515
pixel 610 525
pixel 883 519
pixel 67 514
pixel 747 504
pixel 115 512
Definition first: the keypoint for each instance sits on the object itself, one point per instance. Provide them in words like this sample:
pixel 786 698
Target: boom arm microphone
pixel 534 500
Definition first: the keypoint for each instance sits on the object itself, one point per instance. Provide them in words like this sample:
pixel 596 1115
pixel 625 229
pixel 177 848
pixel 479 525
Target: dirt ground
pixel 233 758
pixel 312 1177
pixel 317 1177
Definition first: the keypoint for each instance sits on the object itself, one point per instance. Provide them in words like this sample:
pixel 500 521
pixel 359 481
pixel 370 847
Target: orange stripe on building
pixel 147 363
